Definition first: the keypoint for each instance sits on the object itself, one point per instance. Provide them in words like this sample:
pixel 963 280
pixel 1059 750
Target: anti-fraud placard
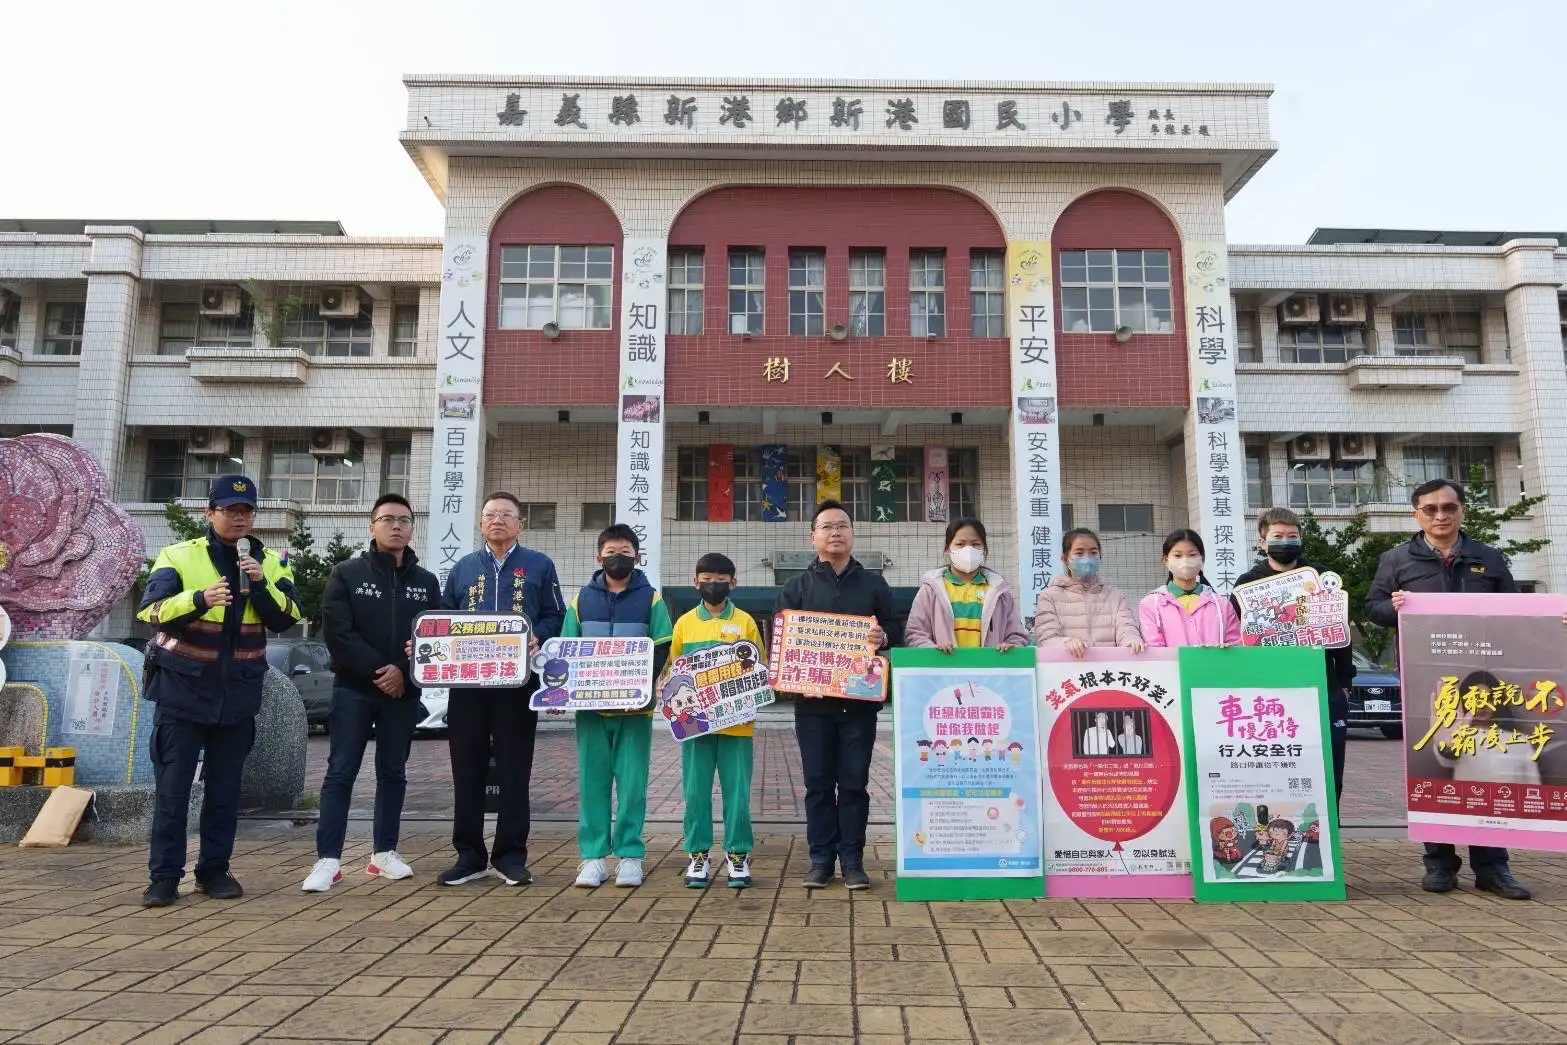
pixel 1260 778
pixel 826 655
pixel 1294 608
pixel 1115 817
pixel 594 675
pixel 470 650
pixel 714 688
pixel 966 775
pixel 1485 719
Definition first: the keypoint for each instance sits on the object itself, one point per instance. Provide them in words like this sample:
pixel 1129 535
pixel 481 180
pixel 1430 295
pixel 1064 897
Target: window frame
pixel 1424 334
pixel 1453 463
pixel 752 294
pixel 1107 523
pixel 685 315
pixel 599 315
pixel 535 515
pixel 189 482
pixel 404 343
pixel 1248 335
pixel 1343 493
pixel 588 524
pixel 1094 296
pixel 807 292
pixel 867 292
pixel 282 484
pixel 691 482
pixel 357 334
pixel 1295 352
pixel 396 480
pixel 987 302
pixel 230 333
pixel 72 341
pixel 1262 494
pixel 963 482
pixel 924 318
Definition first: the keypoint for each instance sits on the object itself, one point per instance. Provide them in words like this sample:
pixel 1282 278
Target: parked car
pixel 433 721
pixel 1376 702
pixel 309 666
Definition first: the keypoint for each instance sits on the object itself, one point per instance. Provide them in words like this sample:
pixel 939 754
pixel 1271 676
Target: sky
pixel 1388 113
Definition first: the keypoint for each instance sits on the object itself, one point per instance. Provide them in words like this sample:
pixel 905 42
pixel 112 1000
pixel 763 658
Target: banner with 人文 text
pixel 610 674
pixel 457 442
pixel 470 650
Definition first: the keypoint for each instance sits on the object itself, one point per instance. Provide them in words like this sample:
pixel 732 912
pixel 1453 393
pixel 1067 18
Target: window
pixel 747 291
pixel 857 482
pixel 807 292
pixel 63 322
pixel 685 292
pixel 1066 517
pixel 909 490
pixel 173 472
pixel 1321 343
pixel 1258 493
pixel 987 293
pixel 405 331
pixel 395 454
pixel 1126 518
pixel 868 293
pixel 181 326
pixel 571 287
pixel 963 483
pixel 1424 463
pixel 1248 347
pixel 10 319
pixel 295 474
pixel 928 293
pixel 748 485
pixel 1335 484
pixel 800 472
pixel 598 516
pixel 316 335
pixel 538 515
pixel 1437 334
pixel 691 484
pixel 1104 290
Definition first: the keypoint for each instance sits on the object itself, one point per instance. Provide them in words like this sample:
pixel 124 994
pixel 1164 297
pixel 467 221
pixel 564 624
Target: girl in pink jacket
pixel 1187 611
pixel 1078 610
pixel 964 605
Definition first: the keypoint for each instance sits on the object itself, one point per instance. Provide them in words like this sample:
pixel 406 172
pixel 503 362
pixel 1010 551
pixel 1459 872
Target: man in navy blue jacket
pixel 501 577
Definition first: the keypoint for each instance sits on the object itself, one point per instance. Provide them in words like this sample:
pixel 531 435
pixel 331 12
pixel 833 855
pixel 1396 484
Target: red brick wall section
pixel 523 367
pixel 1095 370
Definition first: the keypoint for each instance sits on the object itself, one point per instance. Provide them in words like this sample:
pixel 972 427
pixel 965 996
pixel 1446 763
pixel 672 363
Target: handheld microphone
pixel 243 547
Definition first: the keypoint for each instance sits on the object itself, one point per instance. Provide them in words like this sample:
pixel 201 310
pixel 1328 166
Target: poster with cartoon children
pixel 713 688
pixel 1295 608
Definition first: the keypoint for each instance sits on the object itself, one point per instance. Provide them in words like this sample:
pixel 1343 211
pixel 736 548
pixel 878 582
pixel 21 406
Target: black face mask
pixel 1285 553
pixel 714 592
pixel 619 567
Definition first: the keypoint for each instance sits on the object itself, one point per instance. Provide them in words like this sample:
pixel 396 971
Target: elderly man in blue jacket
pixel 501 577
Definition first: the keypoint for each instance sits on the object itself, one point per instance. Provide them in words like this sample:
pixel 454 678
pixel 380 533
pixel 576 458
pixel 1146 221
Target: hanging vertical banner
pixel 1115 814
pixel 937 485
pixel 720 483
pixel 639 464
pixel 1264 824
pixel 966 774
pixel 1218 457
pixel 1036 421
pixel 829 474
pixel 457 443
pixel 884 483
pixel 775 482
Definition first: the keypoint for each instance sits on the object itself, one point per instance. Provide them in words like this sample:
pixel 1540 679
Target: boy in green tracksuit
pixel 728 751
pixel 613 747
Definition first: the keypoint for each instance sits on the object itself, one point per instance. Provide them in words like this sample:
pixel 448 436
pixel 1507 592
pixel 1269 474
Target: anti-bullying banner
pixel 470 650
pixel 1115 817
pixel 1485 744
pixel 966 771
pixel 1294 608
pixel 594 675
pixel 1259 775
pixel 714 688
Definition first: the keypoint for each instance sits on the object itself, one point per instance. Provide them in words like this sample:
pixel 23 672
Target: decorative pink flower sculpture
pixel 67 551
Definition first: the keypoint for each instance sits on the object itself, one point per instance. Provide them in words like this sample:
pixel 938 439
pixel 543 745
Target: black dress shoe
pixel 1439 882
pixel 161 893
pixel 220 887
pixel 1503 884
pixel 818 877
pixel 855 879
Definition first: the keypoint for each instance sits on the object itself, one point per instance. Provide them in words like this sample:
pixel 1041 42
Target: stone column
pixel 113 296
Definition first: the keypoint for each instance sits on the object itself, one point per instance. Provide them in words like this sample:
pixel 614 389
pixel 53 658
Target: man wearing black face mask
pixel 1278 533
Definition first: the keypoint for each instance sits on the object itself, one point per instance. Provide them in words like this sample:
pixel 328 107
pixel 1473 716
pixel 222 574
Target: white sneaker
pixel 324 875
pixel 389 865
pixel 592 874
pixel 698 871
pixel 738 870
pixel 629 874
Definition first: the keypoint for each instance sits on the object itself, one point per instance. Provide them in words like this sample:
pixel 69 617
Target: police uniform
pixel 204 671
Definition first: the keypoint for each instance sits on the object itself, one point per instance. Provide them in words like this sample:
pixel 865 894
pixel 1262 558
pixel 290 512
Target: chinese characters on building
pixel 639 466
pixel 1218 453
pixel 456 449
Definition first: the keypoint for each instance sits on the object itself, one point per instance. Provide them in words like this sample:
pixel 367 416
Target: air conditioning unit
pixel 1309 448
pixel 220 301
pixel 1346 308
pixel 339 303
pixel 208 442
pixel 1300 310
pixel 1357 448
pixel 329 442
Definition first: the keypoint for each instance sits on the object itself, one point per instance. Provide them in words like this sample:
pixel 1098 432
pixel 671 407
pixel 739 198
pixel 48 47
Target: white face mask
pixel 1186 569
pixel 967 559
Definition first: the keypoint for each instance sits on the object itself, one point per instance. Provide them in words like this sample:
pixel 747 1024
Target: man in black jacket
pixel 836 736
pixel 368 610
pixel 1278 535
pixel 1442 558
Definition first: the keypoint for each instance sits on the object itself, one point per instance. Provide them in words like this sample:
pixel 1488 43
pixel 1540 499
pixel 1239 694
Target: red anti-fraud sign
pixel 470 650
pixel 1115 765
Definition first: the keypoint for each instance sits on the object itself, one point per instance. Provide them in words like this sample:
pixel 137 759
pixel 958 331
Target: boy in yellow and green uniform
pixel 715 622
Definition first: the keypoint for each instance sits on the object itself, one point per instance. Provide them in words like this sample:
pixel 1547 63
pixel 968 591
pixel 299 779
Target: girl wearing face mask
pixel 1186 611
pixel 1078 610
pixel 965 605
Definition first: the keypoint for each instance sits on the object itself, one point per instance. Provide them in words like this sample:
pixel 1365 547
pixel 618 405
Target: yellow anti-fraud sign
pixel 470 650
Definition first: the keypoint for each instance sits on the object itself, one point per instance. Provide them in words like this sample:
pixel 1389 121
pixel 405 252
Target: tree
pixel 311 569
pixel 184 526
pixel 1352 551
pixel 1484 523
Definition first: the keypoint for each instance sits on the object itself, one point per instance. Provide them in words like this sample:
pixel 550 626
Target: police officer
pixel 212 600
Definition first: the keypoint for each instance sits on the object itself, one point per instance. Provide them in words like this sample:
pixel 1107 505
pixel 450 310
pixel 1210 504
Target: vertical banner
pixel 457 444
pixel 1036 421
pixel 775 482
pixel 1116 822
pixel 720 483
pixel 639 463
pixel 937 484
pixel 1485 747
pixel 1217 457
pixel 829 474
pixel 1259 775
pixel 884 483
pixel 966 773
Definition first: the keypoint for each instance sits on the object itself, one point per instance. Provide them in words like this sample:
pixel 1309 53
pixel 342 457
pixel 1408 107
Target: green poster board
pixel 966 775
pixel 1259 775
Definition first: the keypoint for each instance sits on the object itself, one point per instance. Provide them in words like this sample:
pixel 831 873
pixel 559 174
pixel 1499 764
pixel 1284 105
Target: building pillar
pixel 1268 333
pixel 113 296
pixel 1535 331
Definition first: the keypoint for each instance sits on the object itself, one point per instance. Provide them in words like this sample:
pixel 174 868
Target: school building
pixel 700 306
